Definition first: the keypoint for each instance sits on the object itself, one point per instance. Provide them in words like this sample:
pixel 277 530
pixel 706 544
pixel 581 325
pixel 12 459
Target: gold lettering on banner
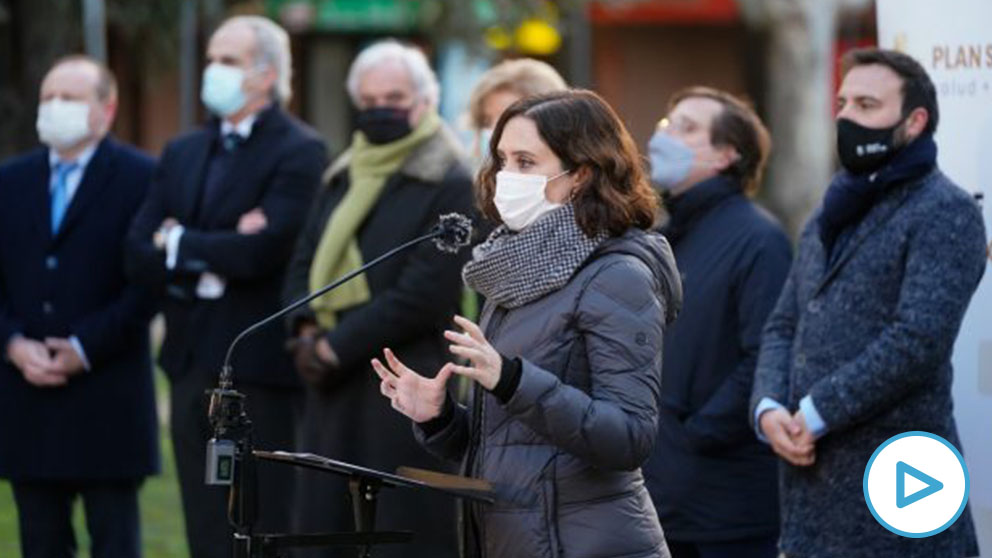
pixel 961 57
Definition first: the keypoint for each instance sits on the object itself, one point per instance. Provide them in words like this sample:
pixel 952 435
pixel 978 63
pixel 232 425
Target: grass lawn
pixel 162 531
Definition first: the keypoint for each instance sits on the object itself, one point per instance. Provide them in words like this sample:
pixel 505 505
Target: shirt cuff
pixel 766 404
pixel 78 346
pixel 172 246
pixel 817 426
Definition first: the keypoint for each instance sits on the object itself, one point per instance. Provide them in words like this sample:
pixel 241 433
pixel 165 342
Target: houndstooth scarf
pixel 513 269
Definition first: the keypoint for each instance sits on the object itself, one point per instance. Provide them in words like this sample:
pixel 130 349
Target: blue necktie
pixel 60 193
pixel 232 141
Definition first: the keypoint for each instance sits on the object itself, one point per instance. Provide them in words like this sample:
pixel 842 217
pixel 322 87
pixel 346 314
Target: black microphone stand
pixel 231 454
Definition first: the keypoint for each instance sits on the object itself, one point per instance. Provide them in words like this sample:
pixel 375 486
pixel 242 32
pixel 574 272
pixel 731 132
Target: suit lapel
pixel 96 178
pixel 247 160
pixel 193 176
pixel 40 196
pixel 876 217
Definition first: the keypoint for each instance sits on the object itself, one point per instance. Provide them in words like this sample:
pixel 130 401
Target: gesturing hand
pixel 789 438
pixel 416 396
pixel 487 364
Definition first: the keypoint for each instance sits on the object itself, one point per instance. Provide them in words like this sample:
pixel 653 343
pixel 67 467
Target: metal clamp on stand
pixel 231 462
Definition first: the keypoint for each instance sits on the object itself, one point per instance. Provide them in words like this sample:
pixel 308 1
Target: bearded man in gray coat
pixel 858 348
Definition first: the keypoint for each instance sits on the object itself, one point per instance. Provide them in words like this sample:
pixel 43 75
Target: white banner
pixel 953 41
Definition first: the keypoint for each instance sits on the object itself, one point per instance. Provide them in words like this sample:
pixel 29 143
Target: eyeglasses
pixel 682 126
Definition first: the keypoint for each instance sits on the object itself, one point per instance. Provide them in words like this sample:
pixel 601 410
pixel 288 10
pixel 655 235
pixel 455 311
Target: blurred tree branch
pixel 798 99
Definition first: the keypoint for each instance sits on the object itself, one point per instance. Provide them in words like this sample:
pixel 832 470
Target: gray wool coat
pixel 564 453
pixel 870 339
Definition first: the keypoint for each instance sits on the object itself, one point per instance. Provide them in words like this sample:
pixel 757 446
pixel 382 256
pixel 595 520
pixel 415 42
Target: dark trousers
pixel 750 548
pixel 44 511
pixel 272 411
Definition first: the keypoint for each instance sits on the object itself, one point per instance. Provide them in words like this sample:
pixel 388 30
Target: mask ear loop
pixel 571 194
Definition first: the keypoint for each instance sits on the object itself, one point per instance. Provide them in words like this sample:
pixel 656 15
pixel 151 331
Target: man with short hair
pixel 77 406
pixel 858 348
pixel 215 236
pixel 712 482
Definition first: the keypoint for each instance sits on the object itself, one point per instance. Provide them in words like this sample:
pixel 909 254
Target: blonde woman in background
pixel 501 86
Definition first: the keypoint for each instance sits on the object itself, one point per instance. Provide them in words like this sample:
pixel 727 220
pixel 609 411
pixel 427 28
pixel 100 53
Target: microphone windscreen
pixel 454 232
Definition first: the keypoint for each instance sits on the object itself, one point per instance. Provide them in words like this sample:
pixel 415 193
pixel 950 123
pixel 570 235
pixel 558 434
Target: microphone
pixel 452 233
pixel 230 456
pixel 227 413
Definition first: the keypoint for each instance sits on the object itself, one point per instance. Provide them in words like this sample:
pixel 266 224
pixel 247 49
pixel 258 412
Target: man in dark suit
pixel 215 235
pixel 77 407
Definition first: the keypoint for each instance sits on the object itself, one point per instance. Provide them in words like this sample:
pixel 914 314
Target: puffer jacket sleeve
pixel 621 318
pixel 451 442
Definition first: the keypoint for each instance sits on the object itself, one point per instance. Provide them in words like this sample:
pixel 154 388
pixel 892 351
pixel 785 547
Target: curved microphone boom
pixel 452 233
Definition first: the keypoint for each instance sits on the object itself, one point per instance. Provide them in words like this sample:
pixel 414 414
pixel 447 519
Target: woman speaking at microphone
pixel 566 360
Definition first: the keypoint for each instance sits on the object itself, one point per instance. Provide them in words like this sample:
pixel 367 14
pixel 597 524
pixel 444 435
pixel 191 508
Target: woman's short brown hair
pixel 737 126
pixel 583 131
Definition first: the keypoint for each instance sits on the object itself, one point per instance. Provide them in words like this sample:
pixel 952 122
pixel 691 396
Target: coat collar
pixel 268 121
pixel 429 162
pixel 95 179
pixel 876 217
pixel 244 167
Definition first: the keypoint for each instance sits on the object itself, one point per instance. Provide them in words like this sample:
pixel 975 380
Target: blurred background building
pixel 779 53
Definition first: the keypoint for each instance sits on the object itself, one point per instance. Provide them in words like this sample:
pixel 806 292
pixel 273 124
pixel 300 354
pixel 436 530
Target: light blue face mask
pixel 671 161
pixel 221 92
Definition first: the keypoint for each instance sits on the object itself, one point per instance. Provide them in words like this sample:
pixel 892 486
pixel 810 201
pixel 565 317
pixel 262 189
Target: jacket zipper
pixel 496 316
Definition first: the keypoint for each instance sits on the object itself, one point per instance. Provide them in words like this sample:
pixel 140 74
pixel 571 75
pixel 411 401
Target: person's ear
pixel 726 156
pixel 261 79
pixel 417 111
pixel 580 178
pixel 110 113
pixel 104 121
pixel 916 122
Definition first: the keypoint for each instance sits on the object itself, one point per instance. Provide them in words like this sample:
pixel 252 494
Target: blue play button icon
pixel 932 485
pixel 946 498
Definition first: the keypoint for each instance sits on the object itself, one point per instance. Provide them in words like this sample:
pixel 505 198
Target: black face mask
pixel 865 150
pixel 383 124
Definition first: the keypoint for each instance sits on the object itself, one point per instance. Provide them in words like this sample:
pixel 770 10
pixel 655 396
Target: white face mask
pixel 63 124
pixel 221 92
pixel 520 198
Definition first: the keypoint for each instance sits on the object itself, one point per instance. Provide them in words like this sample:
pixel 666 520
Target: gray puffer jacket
pixel 564 453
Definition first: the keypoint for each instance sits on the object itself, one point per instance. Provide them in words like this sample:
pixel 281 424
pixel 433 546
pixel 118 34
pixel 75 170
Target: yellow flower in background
pixel 538 37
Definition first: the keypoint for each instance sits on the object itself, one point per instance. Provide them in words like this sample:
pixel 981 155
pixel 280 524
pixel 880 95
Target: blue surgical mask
pixel 671 161
pixel 221 92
